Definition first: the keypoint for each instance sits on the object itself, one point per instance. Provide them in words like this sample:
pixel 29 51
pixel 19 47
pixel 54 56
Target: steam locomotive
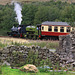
pixel 46 30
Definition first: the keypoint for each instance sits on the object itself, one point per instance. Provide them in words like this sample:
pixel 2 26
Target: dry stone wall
pixel 66 50
pixel 65 54
pixel 17 54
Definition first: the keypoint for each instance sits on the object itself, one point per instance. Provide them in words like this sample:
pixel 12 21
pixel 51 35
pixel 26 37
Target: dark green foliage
pixel 46 13
pixel 36 13
pixel 32 58
pixel 28 13
pixel 6 17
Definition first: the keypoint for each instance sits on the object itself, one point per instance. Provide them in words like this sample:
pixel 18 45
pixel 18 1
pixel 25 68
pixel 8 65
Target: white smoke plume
pixel 18 9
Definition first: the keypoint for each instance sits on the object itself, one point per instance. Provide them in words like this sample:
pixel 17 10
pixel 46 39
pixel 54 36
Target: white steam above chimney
pixel 18 9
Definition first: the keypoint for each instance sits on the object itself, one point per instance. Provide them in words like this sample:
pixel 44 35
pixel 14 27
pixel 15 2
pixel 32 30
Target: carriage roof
pixel 55 23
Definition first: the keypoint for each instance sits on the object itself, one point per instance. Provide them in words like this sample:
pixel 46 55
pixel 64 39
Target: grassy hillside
pixel 3 2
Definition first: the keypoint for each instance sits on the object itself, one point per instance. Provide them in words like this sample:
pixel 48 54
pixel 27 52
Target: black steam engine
pixel 17 31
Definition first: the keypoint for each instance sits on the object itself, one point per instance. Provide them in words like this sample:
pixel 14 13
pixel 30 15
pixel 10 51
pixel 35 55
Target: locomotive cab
pixel 39 30
pixel 21 29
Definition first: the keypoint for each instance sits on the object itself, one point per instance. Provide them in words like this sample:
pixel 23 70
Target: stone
pixel 66 50
pixel 12 54
pixel 73 64
pixel 29 68
pixel 6 63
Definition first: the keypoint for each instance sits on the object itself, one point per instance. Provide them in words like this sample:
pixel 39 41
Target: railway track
pixel 4 36
pixel 44 39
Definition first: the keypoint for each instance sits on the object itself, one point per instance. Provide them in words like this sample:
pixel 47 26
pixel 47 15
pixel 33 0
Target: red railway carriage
pixel 55 28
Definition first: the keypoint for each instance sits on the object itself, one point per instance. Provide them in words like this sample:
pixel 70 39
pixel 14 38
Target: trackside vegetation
pixel 36 13
pixel 50 45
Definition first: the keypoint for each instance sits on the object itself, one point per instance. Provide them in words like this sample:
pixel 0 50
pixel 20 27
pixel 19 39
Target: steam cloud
pixel 18 9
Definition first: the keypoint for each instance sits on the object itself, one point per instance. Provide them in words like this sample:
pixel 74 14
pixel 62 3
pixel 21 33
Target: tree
pixel 41 15
pixel 7 18
pixel 28 13
pixel 46 13
pixel 66 14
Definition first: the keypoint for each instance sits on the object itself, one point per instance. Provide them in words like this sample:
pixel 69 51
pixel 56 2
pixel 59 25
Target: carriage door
pixel 39 30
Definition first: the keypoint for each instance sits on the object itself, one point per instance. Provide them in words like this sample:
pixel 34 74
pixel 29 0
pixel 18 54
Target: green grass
pixel 2 45
pixel 9 71
pixel 50 45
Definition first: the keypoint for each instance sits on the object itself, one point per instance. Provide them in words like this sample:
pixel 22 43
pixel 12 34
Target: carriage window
pixel 68 29
pixel 61 29
pixel 55 29
pixel 42 28
pixel 50 28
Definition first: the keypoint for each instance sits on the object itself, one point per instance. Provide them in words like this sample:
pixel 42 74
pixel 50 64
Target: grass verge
pixel 48 44
pixel 8 71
